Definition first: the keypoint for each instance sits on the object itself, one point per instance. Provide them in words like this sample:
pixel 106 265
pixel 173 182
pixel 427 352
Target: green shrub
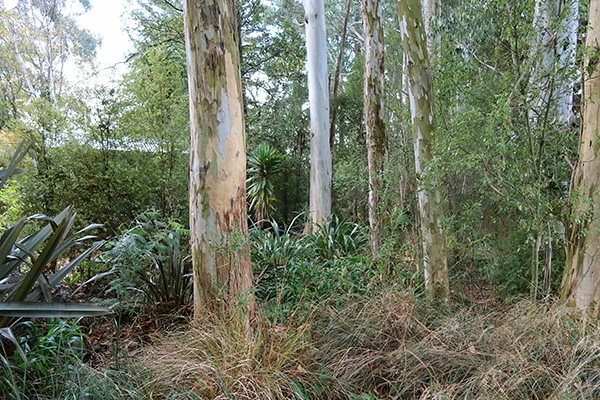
pixel 45 356
pixel 292 271
pixel 26 272
pixel 151 263
pixel 338 238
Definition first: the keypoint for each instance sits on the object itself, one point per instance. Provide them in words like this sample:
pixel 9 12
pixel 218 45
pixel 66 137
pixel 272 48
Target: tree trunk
pixel 420 92
pixel 336 79
pixel 432 10
pixel 318 95
pixel 581 279
pixel 374 120
pixel 217 175
pixel 551 83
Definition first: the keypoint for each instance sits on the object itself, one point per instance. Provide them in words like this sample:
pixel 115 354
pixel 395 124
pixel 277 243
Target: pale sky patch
pixel 106 19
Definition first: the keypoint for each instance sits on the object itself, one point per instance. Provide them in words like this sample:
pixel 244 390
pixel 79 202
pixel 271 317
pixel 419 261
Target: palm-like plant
pixel 264 164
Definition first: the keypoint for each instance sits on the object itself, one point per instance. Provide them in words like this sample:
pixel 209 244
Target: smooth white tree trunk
pixel 318 95
pixel 554 51
pixel 432 10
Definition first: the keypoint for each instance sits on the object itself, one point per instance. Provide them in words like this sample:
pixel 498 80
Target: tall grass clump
pixel 216 359
pixel 395 346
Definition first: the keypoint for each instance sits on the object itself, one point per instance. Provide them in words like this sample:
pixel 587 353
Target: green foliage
pixel 25 265
pixel 114 156
pixel 158 23
pixel 44 357
pixel 11 169
pixel 292 271
pixel 158 118
pixel 274 80
pixel 264 164
pixel 114 152
pixel 337 238
pixel 150 260
pixel 40 37
pixel 503 160
pixel 52 367
pixel 35 254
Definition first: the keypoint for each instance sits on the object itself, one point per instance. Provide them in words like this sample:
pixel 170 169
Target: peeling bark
pixel 318 95
pixel 217 174
pixel 374 114
pixel 581 279
pixel 421 100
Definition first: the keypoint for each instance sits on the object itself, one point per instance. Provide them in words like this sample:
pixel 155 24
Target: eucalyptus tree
pixel 551 89
pixel 217 176
pixel 374 77
pixel 421 99
pixel 581 279
pixel 432 10
pixel 318 94
pixel 37 39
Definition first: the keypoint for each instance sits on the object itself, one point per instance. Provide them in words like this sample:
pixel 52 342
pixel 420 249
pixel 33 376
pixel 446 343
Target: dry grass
pixel 390 346
pixel 393 347
pixel 216 359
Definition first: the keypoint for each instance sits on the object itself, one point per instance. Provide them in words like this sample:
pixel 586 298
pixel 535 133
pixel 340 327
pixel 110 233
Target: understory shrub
pixel 44 356
pixel 52 366
pixel 292 270
pixel 151 263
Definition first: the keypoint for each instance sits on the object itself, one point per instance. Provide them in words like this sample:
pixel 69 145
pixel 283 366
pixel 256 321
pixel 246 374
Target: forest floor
pixel 390 345
pixel 387 345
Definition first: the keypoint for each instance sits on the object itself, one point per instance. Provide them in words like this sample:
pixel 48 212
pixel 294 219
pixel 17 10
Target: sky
pixel 107 20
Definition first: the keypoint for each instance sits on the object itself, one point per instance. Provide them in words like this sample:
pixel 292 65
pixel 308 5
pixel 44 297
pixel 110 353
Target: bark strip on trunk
pixel 581 279
pixel 374 115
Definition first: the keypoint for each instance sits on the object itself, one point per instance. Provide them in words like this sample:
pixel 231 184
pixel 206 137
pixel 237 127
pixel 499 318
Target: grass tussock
pixel 394 347
pixel 389 346
pixel 218 360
